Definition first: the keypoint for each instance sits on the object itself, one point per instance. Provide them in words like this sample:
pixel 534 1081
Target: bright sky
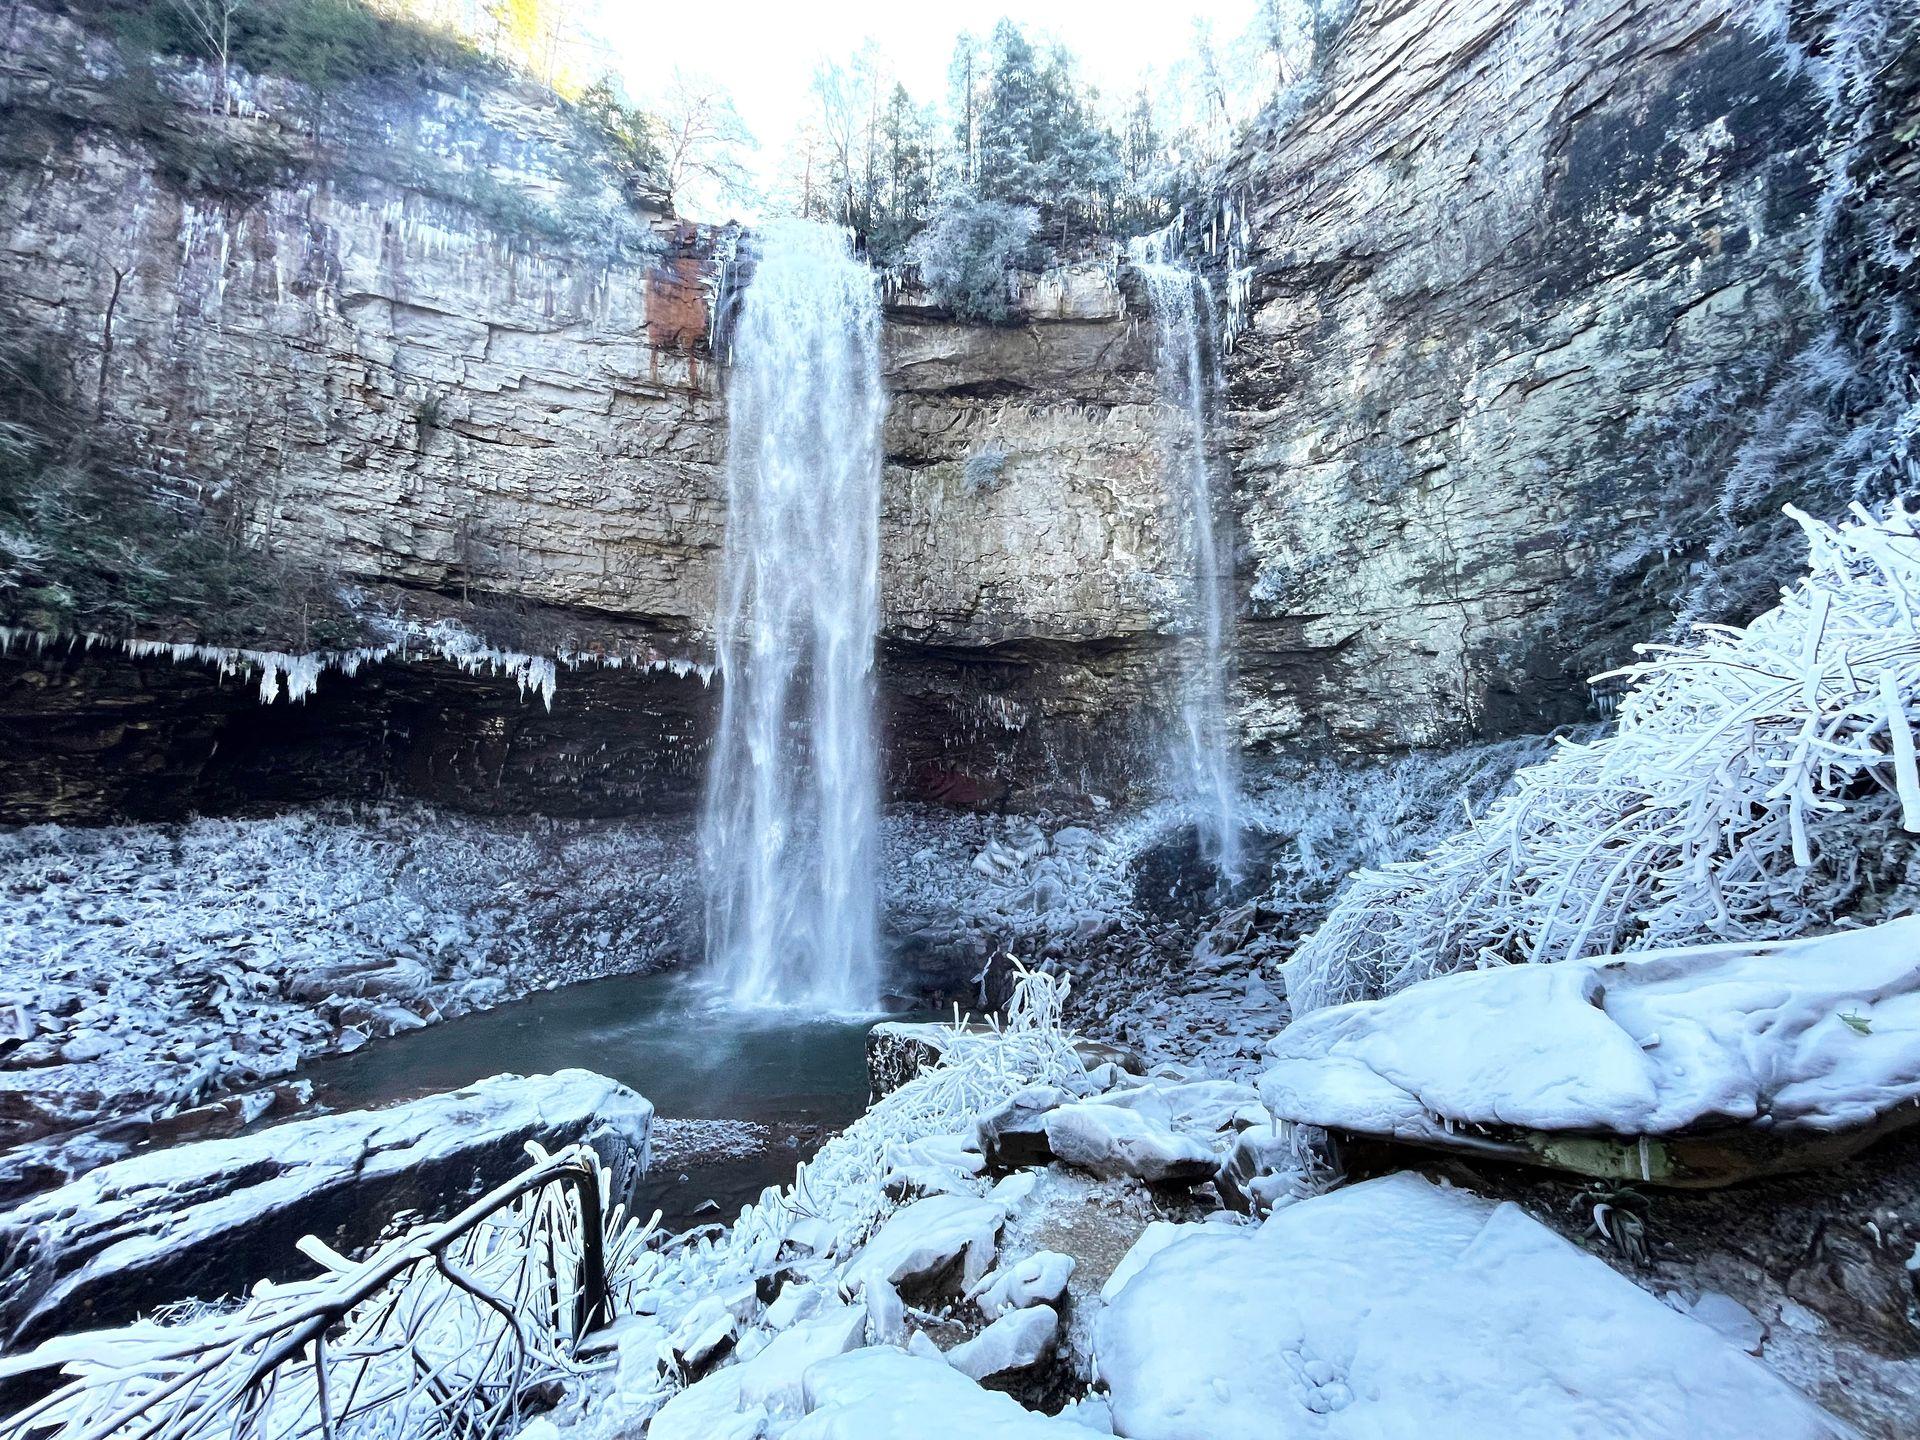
pixel 766 50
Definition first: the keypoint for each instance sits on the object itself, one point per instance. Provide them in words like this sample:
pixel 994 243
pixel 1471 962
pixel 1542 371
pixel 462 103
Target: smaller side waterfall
pixel 1187 359
pixel 788 833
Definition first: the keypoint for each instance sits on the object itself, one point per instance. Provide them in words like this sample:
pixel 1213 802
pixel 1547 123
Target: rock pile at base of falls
pixel 206 1220
pixel 1397 1309
pixel 1695 1066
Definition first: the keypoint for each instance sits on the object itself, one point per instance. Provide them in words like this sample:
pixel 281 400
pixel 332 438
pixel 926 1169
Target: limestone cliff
pixel 428 353
pixel 1550 304
pixel 1541 308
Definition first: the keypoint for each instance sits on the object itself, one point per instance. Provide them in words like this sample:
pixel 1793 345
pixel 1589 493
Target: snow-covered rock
pixel 1157 1235
pixel 1818 1035
pixel 1040 1279
pixel 897 1050
pixel 1200 1108
pixel 919 1243
pixel 1013 1133
pixel 1732 1319
pixel 208 1219
pixel 1015 1341
pixel 742 1397
pixel 1111 1141
pixel 1398 1309
pixel 882 1392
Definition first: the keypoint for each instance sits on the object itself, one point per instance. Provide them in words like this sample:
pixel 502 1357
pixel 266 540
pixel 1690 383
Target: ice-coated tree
pixel 966 251
pixel 210 22
pixel 906 146
pixel 965 76
pixel 1040 143
pixel 1011 120
pixel 703 140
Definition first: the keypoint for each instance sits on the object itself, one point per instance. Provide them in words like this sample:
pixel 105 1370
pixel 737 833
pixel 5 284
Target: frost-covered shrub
pixel 985 468
pixel 448 1328
pixel 965 252
pixel 1754 788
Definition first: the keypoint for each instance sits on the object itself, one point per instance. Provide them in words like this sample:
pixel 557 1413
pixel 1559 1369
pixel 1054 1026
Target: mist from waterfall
pixel 1187 360
pixel 788 832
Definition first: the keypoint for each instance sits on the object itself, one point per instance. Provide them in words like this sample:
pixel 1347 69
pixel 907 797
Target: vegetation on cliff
pixel 89 544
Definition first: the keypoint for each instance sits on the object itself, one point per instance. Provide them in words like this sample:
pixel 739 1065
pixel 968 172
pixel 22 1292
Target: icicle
pixel 1906 773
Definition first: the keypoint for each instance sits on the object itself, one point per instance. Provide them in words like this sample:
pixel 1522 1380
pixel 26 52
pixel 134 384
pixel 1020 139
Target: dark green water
pixel 800 1077
pixel 656 1033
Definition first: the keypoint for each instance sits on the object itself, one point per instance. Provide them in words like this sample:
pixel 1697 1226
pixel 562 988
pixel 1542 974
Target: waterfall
pixel 1187 359
pixel 788 832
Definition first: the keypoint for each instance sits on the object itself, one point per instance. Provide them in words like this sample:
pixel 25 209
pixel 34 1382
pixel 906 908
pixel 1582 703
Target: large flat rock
pixel 1736 1059
pixel 207 1220
pixel 1400 1308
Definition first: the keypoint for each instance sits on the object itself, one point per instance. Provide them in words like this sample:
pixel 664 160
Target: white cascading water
pixel 1187 361
pixel 788 832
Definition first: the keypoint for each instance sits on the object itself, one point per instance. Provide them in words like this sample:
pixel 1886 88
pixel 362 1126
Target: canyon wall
pixel 423 348
pixel 1550 305
pixel 1541 310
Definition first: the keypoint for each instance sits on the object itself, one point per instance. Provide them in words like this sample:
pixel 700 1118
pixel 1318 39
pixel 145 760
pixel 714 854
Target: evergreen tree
pixel 1040 143
pixel 1140 158
pixel 964 76
pixel 1010 120
pixel 906 167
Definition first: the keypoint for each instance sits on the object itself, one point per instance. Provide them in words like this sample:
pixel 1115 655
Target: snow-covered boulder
pixel 871 1393
pixel 1776 1056
pixel 742 1397
pixel 1401 1310
pixel 1014 1133
pixel 1112 1141
pixel 1017 1340
pixel 898 1050
pixel 208 1219
pixel 920 1244
pixel 1039 1279
pixel 1200 1108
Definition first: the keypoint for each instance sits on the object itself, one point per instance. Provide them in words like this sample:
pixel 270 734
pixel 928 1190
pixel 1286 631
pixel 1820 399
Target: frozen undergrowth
pixel 1755 787
pixel 160 964
pixel 446 1327
pixel 1067 891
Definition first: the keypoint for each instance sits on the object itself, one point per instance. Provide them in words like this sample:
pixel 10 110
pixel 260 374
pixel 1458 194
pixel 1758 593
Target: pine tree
pixel 963 84
pixel 1009 120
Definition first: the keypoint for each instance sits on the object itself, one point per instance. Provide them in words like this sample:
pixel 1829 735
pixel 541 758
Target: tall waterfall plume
pixel 788 832
pixel 1187 359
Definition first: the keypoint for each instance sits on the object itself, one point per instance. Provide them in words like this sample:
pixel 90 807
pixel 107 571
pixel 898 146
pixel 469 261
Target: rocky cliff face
pixel 429 354
pixel 1542 309
pixel 1550 307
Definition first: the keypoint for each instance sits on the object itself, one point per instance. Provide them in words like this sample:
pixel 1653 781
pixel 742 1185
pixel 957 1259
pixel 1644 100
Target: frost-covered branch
pixel 446 1328
pixel 1748 792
